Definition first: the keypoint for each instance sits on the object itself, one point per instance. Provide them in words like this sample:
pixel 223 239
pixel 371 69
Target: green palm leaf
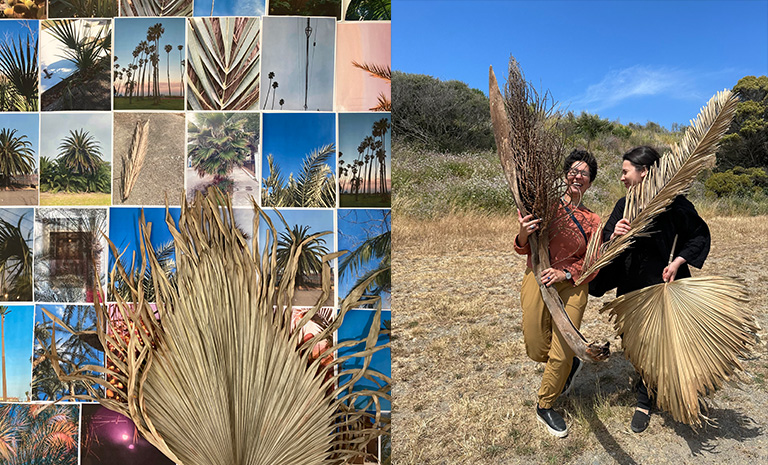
pixel 19 65
pixel 17 158
pixel 224 60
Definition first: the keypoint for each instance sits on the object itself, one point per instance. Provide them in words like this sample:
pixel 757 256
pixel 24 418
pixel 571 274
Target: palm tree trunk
pixel 168 69
pixel 2 330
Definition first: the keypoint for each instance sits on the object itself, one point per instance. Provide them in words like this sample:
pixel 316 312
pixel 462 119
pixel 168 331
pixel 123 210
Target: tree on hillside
pixel 591 126
pixel 746 143
pixel 440 115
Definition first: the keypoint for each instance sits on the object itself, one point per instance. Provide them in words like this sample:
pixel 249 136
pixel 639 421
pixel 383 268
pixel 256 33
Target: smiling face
pixel 630 175
pixel 578 180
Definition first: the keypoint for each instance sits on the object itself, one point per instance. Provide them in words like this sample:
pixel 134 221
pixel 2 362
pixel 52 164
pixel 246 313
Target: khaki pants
pixel 537 332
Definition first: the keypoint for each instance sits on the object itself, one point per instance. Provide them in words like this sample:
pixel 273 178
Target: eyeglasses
pixel 575 172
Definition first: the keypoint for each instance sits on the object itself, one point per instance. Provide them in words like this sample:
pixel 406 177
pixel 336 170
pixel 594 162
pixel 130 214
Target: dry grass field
pixel 464 389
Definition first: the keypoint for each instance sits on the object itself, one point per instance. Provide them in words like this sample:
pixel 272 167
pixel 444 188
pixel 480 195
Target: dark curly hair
pixel 586 157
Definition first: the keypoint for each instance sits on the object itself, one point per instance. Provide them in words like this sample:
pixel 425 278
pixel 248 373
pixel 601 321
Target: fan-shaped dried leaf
pixel 671 177
pixel 685 338
pixel 217 374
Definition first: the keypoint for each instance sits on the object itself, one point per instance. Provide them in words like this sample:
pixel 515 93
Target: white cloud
pixel 636 81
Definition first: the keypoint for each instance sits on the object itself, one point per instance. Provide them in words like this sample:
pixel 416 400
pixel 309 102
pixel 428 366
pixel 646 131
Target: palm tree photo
pixel 367 234
pixel 19 72
pixel 310 264
pixel 365 177
pixel 38 434
pixel 16 255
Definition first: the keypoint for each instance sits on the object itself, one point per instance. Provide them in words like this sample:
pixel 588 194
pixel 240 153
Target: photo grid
pixel 111 108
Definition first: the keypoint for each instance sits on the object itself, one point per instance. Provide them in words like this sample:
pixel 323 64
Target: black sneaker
pixel 575 369
pixel 552 420
pixel 640 421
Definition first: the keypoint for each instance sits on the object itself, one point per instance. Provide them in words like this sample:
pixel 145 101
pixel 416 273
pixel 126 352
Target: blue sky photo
pixel 318 220
pixel 25 124
pixel 27 217
pixel 229 7
pixel 284 53
pixel 290 138
pixel 56 126
pixel 634 61
pixel 19 325
pixel 124 231
pixel 356 325
pixel 355 226
pixel 354 127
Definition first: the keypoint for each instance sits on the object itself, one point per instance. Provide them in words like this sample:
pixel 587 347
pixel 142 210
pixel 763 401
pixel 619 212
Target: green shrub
pixel 738 181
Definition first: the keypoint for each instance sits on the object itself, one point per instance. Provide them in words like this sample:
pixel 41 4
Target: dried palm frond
pixel 223 67
pixel 672 176
pixel 685 338
pixel 133 162
pixel 216 374
pixel 531 149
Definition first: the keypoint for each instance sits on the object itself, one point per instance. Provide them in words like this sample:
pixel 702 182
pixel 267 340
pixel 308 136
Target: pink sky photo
pixel 364 42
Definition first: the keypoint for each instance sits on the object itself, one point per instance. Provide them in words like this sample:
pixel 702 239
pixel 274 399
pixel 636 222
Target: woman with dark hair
pixel 651 259
pixel 570 232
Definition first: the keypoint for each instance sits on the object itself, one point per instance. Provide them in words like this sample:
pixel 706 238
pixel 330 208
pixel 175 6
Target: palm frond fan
pixel 531 150
pixel 216 373
pixel 685 338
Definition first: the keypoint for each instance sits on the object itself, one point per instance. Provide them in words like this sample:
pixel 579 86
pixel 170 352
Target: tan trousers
pixel 537 332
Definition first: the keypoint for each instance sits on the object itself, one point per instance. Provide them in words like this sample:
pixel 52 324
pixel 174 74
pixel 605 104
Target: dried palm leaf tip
pixel 134 161
pixel 216 375
pixel 685 338
pixel 672 176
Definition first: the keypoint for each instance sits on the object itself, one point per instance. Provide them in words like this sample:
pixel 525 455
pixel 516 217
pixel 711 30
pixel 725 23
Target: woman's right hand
pixel 527 226
pixel 622 227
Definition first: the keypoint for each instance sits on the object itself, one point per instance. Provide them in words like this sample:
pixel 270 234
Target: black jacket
pixel 643 263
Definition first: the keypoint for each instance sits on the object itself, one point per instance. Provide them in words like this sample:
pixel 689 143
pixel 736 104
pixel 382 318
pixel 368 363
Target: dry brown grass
pixel 464 389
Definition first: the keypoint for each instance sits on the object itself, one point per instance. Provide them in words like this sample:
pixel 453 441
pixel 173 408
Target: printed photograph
pixel 17 347
pixel 125 234
pixel 223 69
pixel 16 232
pixel 69 242
pixel 364 66
pixel 299 226
pixel 149 153
pixel 110 438
pixel 297 63
pixel 147 77
pixel 229 8
pixel 40 433
pixel 223 152
pixel 356 10
pixel 82 8
pixel 318 323
pixel 156 8
pixel 366 235
pixel 75 64
pixel 365 160
pixel 19 145
pixel 299 160
pixel 15 9
pixel 76 159
pixel 305 8
pixel 19 74
pixel 356 325
pixel 74 351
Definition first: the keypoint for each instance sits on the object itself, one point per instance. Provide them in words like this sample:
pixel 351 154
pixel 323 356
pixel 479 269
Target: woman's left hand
pixel 551 276
pixel 669 273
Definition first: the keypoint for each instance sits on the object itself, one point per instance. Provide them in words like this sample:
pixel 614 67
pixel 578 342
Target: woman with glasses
pixel 569 235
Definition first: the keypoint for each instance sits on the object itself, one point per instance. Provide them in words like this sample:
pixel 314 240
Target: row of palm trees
pixel 355 176
pixel 272 88
pixel 135 81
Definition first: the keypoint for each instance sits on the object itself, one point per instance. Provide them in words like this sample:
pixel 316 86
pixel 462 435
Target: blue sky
pixel 229 7
pixel 353 127
pixel 26 124
pixel 291 137
pixel 124 230
pixel 284 52
pixel 57 126
pixel 318 221
pixel 636 61
pixel 356 325
pixel 19 331
pixel 355 226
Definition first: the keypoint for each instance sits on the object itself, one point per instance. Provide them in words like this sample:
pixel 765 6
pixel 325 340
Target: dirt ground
pixel 464 389
pixel 163 170
pixel 18 197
